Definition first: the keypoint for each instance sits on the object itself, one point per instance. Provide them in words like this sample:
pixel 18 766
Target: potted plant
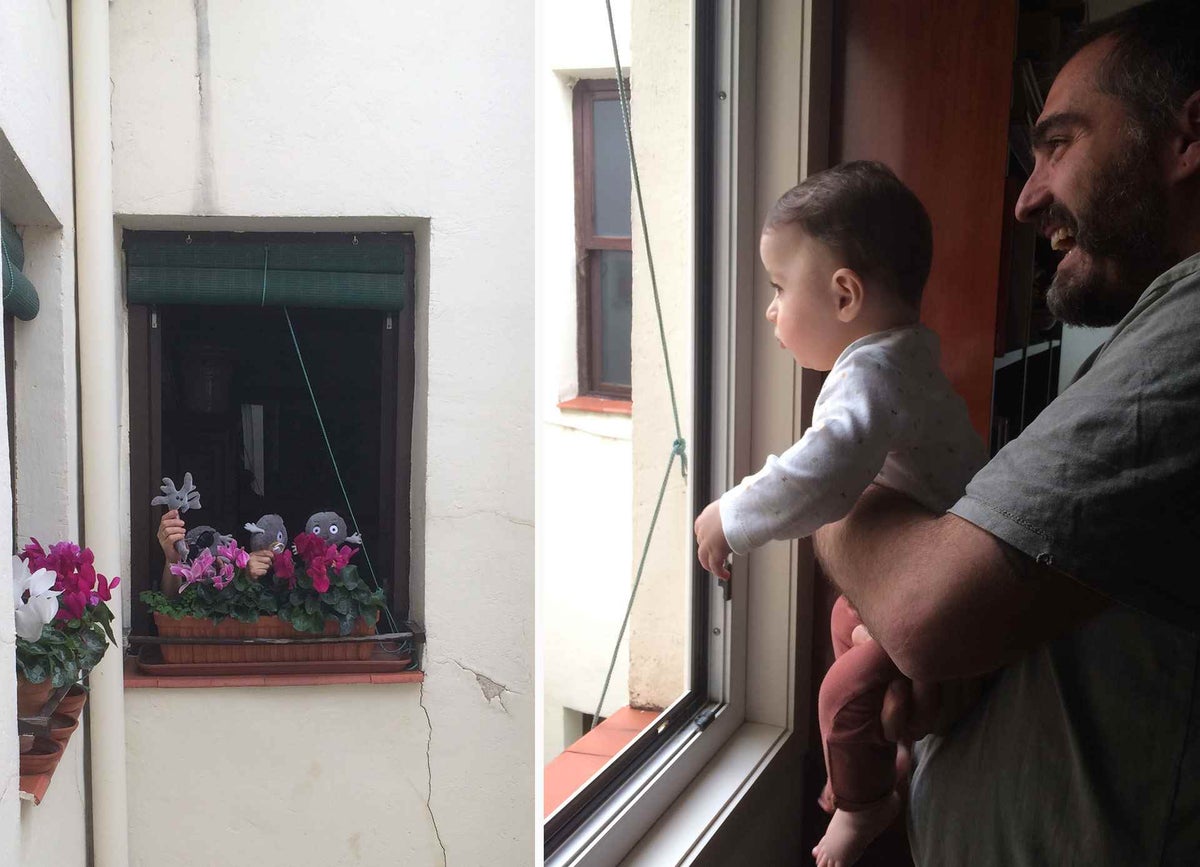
pixel 63 623
pixel 316 592
pixel 217 599
pixel 320 591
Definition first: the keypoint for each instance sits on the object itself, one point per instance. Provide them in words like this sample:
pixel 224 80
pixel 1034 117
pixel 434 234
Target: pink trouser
pixel 860 761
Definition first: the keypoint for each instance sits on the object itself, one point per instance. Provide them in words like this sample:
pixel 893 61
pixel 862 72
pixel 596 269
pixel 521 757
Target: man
pixel 1070 568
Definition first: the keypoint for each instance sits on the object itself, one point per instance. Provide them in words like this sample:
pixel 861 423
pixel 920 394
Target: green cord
pixel 679 447
pixel 676 450
pixel 387 611
pixel 623 95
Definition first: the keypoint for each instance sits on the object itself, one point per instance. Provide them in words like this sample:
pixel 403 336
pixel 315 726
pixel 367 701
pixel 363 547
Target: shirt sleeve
pixel 1105 484
pixel 818 479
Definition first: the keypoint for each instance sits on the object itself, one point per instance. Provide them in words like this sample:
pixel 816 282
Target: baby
pixel 848 252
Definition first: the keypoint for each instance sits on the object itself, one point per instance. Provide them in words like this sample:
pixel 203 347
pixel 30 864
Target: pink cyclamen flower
pixel 66 558
pixel 340 559
pixel 234 554
pixel 34 555
pixel 104 587
pixel 201 569
pixel 284 567
pixel 224 576
pixel 309 546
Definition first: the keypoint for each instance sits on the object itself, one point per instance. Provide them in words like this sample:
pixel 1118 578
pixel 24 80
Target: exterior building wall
pixel 663 133
pixel 371 115
pixel 36 193
pixel 584 459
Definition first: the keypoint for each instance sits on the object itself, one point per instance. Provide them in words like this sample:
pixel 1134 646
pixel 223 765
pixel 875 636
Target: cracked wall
pixel 379 115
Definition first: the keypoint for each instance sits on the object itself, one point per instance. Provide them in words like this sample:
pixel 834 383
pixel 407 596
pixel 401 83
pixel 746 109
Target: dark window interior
pixel 224 398
pixel 237 414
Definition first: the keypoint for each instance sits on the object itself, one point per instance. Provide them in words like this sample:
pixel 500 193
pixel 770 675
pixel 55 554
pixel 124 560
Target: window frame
pixel 755 82
pixel 397 390
pixel 648 769
pixel 588 244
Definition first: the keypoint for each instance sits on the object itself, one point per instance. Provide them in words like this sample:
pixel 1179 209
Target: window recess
pixel 217 387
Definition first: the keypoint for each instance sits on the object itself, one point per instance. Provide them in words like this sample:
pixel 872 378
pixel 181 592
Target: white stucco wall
pixel 584 460
pixel 387 115
pixel 663 134
pixel 36 194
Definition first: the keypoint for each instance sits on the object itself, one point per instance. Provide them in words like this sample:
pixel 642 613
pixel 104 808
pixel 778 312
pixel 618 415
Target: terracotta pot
pixel 62 727
pixel 32 697
pixel 42 758
pixel 72 703
pixel 264 627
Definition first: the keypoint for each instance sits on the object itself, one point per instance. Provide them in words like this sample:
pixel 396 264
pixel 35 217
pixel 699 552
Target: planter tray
pixel 150 662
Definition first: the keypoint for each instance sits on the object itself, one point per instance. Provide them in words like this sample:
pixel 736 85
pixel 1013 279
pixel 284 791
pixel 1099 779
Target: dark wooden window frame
pixel 589 339
pixel 397 367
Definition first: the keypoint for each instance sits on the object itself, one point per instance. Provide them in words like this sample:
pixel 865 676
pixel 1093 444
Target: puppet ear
pixel 356 539
pixel 254 528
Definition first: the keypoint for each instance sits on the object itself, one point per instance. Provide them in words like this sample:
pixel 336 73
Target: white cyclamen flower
pixel 42 605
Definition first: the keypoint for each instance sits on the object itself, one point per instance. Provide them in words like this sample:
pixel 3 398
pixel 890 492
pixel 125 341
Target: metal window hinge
pixel 389 322
pixel 153 318
pixel 705 717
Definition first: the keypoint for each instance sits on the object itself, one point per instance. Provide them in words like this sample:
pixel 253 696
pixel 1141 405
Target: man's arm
pixel 943 597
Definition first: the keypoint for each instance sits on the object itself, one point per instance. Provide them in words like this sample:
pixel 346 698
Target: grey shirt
pixel 1087 751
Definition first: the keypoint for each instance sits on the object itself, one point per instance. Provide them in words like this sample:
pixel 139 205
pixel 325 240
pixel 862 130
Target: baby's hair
pixel 863 212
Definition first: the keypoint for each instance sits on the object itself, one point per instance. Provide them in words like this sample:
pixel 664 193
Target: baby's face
pixel 804 309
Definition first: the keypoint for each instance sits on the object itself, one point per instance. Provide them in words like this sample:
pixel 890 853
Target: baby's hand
pixel 711 547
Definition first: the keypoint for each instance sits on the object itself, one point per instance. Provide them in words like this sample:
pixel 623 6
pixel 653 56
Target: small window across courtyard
pixel 604 257
pixel 224 331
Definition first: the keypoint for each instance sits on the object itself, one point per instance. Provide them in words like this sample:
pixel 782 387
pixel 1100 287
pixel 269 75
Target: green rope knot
pixel 679 447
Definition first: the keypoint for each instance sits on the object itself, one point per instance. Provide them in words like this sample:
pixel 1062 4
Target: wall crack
pixel 429 773
pixel 512 519
pixel 491 689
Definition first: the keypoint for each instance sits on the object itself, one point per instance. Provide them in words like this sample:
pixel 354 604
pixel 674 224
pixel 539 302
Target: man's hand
pixel 912 710
pixel 711 547
pixel 171 530
pixel 260 563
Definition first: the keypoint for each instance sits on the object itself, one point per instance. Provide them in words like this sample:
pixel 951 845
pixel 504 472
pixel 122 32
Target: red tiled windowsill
pixel 568 771
pixel 586 403
pixel 135 679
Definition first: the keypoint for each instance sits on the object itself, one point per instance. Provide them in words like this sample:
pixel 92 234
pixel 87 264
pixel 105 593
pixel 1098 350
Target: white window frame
pixel 759 641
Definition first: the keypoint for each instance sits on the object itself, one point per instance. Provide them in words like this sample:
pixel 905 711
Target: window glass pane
pixel 617 642
pixel 611 176
pixel 616 315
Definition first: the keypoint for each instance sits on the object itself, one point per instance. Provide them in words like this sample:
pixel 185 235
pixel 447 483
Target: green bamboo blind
pixel 20 296
pixel 366 271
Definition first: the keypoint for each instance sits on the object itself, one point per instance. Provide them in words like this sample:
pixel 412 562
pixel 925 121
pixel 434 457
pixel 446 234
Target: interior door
pixel 924 86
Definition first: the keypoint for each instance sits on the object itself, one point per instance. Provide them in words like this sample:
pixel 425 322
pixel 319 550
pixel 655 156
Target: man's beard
pixel 1121 229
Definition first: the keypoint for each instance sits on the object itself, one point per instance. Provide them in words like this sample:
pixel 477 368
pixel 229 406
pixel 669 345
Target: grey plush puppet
pixel 182 498
pixel 330 527
pixel 268 532
pixel 199 538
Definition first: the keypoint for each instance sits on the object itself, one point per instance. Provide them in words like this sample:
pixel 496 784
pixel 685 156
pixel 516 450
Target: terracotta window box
pixel 264 627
